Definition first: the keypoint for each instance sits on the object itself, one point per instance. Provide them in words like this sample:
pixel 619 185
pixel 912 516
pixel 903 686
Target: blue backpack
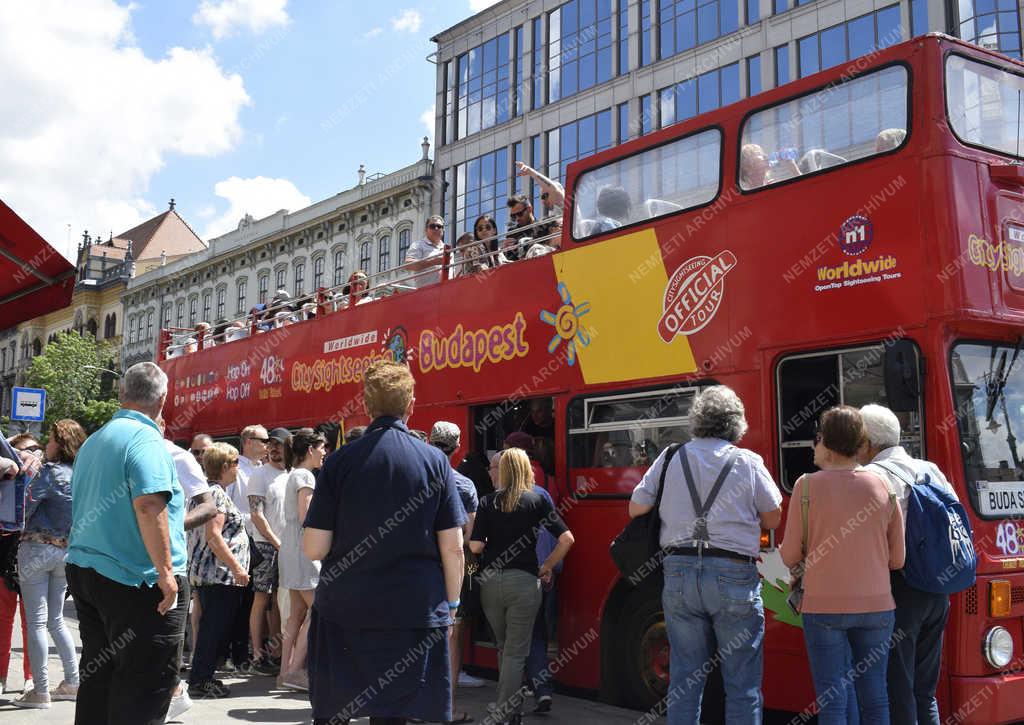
pixel 940 545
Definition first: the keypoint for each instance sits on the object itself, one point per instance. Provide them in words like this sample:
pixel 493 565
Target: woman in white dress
pixel 297 573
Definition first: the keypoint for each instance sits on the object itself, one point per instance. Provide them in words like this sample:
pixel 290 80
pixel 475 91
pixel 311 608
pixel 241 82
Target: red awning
pixel 34 277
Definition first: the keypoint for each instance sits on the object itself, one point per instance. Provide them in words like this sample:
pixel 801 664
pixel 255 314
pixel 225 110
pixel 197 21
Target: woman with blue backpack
pixel 940 561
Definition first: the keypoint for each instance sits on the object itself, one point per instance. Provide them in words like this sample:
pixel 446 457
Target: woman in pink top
pixel 854 538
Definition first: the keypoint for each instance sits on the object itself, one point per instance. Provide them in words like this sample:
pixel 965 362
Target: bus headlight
pixel 998 647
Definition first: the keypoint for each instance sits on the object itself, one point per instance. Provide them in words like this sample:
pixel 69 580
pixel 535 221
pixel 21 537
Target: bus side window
pixel 810 384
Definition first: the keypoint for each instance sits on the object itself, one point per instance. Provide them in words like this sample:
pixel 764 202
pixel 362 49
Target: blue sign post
pixel 28 404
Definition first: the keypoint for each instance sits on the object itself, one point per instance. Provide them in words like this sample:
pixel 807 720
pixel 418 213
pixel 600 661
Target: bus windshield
pixel 988 385
pixel 984 105
pixel 833 126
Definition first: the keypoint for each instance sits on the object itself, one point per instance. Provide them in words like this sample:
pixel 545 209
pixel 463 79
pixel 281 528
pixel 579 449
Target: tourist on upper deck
pixel 525 227
pixel 848 607
pixel 712 591
pixel 552 193
pixel 613 205
pixel 485 230
pixel 356 289
pixel 236 331
pixel 470 256
pixel 204 333
pixel 551 243
pixel 426 255
pixel 889 139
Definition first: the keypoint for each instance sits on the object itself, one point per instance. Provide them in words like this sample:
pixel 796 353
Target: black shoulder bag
pixel 636 551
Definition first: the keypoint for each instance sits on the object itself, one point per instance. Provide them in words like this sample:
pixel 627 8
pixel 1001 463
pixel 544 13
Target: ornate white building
pixel 368 227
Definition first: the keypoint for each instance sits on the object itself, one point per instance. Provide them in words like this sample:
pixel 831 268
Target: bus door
pixel 491 424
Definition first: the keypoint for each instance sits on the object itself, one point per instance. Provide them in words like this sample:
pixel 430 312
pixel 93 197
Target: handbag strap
pixel 664 469
pixel 805 505
pixel 700 527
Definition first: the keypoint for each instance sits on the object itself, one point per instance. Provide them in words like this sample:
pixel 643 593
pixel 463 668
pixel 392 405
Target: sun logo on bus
pixel 566 322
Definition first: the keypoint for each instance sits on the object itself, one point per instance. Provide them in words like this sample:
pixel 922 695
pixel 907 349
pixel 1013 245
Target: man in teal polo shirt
pixel 127 559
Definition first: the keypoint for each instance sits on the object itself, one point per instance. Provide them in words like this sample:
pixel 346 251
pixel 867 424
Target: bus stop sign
pixel 28 404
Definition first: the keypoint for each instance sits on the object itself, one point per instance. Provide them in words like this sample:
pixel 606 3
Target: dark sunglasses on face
pixel 517 214
pixel 32 449
pixel 436 226
pixel 260 440
pixel 198 452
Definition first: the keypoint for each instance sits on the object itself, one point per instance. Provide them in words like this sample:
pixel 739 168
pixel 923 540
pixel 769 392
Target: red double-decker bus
pixel 856 236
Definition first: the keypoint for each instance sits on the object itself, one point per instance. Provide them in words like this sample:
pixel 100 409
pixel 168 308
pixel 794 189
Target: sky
pixel 109 109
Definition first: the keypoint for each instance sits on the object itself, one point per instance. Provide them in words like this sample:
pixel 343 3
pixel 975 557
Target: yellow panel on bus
pixel 619 284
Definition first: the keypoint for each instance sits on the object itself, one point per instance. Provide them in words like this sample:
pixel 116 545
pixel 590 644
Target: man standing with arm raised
pixel 126 560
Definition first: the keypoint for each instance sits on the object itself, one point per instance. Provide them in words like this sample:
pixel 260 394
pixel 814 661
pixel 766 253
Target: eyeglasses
pixel 197 452
pixel 260 440
pixel 32 449
pixel 435 226
pixel 517 214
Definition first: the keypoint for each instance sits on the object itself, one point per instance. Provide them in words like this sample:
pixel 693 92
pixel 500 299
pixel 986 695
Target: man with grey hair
pixel 126 560
pixel 717 498
pixel 920 616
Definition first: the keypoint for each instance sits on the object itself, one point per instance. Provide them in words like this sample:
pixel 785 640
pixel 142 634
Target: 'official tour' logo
pixel 694 293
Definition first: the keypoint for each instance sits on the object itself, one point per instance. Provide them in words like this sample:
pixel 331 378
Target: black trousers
pixel 220 603
pixel 129 665
pixel 915 658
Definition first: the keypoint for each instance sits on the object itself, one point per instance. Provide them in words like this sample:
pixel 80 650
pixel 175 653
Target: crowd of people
pixel 219 559
pixel 138 528
pixel 486 247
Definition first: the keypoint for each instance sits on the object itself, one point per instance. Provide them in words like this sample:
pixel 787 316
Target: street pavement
pixel 253 700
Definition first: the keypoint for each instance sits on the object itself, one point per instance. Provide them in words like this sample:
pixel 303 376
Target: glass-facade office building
pixel 548 82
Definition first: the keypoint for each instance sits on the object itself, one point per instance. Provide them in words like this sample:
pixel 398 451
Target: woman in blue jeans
pixel 41 553
pixel 854 538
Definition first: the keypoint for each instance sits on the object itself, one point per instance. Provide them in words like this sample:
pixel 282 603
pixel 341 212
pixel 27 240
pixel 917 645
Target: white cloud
pixel 427 118
pixel 259 196
pixel 409 20
pixel 373 32
pixel 87 118
pixel 224 17
pixel 478 5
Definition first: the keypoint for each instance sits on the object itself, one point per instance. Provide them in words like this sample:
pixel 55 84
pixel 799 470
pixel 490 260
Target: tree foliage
pixel 66 369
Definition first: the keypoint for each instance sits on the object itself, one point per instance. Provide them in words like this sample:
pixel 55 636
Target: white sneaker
pixel 64 691
pixel 467 680
pixel 179 704
pixel 33 699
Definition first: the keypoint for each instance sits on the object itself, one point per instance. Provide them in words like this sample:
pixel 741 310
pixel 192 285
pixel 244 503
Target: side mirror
pixel 902 379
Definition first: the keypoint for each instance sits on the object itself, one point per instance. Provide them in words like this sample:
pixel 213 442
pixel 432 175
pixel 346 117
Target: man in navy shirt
pixel 386 522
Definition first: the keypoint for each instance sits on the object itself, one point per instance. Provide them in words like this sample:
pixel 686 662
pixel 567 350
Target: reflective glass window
pixel 985 105
pixel 832 127
pixel 852 39
pixel 781 54
pixel 483 86
pixel 482 187
pixel 991 24
pixel 384 253
pixel 662 180
pixel 583 137
pixel 579 47
pixel 754 75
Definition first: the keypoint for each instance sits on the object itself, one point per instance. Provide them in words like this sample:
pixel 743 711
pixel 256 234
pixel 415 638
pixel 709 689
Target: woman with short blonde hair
pixel 505 533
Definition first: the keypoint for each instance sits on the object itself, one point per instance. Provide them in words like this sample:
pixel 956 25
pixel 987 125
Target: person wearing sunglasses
pixel 552 193
pixel 425 254
pixel 485 231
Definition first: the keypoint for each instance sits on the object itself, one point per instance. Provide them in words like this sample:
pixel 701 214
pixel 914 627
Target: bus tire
pixel 642 659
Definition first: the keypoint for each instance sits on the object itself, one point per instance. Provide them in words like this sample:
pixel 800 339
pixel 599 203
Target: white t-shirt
pixel 274 508
pixel 190 473
pixel 260 484
pixel 238 491
pixel 423 249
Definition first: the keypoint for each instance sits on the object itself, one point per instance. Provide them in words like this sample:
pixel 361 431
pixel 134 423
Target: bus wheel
pixel 643 659
pixel 642 650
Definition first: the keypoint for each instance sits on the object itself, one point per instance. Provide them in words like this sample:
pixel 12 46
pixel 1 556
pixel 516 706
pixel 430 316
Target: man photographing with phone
pixel 127 559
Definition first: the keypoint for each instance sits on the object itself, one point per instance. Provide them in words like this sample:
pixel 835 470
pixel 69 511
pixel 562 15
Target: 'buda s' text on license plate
pixel 1003 498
